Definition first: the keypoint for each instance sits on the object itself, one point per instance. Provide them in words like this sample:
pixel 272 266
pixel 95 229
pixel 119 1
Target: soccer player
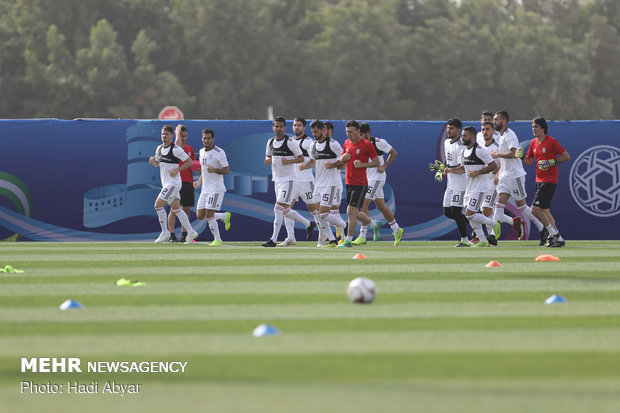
pixel 214 166
pixel 357 155
pixel 304 182
pixel 376 180
pixel 488 203
pixel 511 177
pixel 453 198
pixel 167 158
pixel 328 190
pixel 548 153
pixel 476 162
pixel 329 129
pixel 486 116
pixel 283 153
pixel 187 187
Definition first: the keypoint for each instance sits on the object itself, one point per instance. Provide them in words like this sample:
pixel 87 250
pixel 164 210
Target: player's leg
pixel 175 205
pixel 283 191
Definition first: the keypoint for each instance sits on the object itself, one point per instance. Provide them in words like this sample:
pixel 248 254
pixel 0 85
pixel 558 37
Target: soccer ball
pixel 362 291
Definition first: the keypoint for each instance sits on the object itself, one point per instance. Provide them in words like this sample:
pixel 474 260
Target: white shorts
pixel 515 187
pixel 328 195
pixel 453 198
pixel 490 197
pixel 375 190
pixel 211 201
pixel 169 193
pixel 305 191
pixel 474 200
pixel 284 191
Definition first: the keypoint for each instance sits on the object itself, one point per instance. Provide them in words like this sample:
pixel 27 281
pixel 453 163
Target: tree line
pixel 336 59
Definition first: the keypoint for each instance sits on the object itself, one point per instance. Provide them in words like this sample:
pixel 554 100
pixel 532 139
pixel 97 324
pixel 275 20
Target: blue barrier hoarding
pixel 91 180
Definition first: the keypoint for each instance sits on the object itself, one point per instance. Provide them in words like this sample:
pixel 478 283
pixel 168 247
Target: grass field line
pixel 354 268
pixel 604 340
pixel 272 312
pixel 306 287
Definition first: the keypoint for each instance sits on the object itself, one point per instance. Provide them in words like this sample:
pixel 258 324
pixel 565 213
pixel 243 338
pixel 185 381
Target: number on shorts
pixel 473 202
pixel 487 199
pixel 326 197
pixel 210 201
pixel 309 195
pixel 456 198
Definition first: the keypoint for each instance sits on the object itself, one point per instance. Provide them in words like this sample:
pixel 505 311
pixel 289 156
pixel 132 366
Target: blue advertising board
pixel 89 179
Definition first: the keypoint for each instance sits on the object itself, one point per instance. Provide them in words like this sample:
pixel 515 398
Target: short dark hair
pixel 489 123
pixel 504 115
pixel 183 128
pixel 329 125
pixel 540 121
pixel 470 130
pixel 455 122
pixel 487 113
pixel 364 127
pixel 168 128
pixel 279 119
pixel 353 123
pixel 302 120
pixel 207 131
pixel 317 124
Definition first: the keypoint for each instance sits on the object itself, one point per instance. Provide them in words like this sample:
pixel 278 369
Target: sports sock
pixel 292 214
pixel 476 226
pixel 290 228
pixel 363 231
pixel 163 219
pixel 394 226
pixel 326 231
pixel 551 230
pixel 278 216
pixel 214 228
pixel 499 214
pixel 461 221
pixel 336 220
pixel 219 215
pixel 184 220
pixel 481 219
pixel 525 210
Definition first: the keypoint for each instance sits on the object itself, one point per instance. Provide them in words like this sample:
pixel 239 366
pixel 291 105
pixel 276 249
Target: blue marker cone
pixel 71 304
pixel 556 299
pixel 265 330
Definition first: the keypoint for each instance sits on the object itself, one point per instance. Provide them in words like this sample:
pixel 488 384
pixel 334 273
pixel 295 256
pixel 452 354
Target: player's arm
pixel 391 155
pixel 509 155
pixel 563 157
pixel 307 165
pixel 489 168
pixel 220 171
pixel 374 162
pixel 456 170
pixel 198 182
pixel 297 159
pixel 153 161
pixel 177 135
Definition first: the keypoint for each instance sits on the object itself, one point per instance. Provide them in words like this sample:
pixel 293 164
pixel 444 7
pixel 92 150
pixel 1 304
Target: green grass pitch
pixel 445 333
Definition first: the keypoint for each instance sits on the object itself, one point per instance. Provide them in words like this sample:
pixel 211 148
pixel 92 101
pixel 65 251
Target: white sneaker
pixel 190 237
pixel 288 243
pixel 163 237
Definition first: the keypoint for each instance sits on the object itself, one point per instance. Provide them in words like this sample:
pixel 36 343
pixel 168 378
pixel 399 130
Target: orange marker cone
pixel 359 256
pixel 546 257
pixel 493 264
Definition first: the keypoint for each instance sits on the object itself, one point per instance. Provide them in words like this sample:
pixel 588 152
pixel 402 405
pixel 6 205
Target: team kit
pixel 482 169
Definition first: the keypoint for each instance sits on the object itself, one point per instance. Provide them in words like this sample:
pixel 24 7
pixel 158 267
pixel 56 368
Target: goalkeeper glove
pixel 519 153
pixel 545 164
pixel 436 166
pixel 439 176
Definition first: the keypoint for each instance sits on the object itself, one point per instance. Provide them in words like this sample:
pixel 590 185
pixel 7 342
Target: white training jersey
pixel 382 147
pixel 494 146
pixel 509 167
pixel 278 149
pixel 169 158
pixel 453 152
pixel 480 139
pixel 211 181
pixel 305 144
pixel 323 153
pixel 475 159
